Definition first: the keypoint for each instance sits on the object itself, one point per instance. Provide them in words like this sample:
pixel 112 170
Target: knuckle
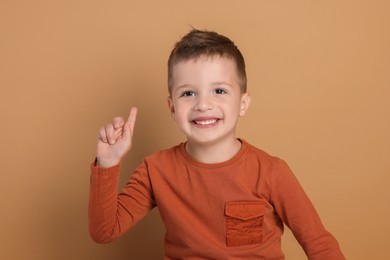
pixel 117 122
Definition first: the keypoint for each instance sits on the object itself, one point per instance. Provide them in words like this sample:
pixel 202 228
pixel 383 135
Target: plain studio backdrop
pixel 318 73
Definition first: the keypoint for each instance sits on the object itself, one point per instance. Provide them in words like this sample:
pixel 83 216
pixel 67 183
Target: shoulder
pixel 267 162
pixel 259 153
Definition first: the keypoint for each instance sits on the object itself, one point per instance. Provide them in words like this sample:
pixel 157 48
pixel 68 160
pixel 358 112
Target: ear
pixel 245 103
pixel 171 107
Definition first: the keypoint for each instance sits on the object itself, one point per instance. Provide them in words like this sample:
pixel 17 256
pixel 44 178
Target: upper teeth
pixel 206 122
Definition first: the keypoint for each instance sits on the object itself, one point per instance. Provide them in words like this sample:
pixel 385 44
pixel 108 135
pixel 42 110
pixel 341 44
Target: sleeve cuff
pixel 103 170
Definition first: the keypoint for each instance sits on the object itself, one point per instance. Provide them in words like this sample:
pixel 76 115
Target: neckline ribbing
pixel 244 147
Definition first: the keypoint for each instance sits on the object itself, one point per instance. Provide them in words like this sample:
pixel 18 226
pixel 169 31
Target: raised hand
pixel 115 140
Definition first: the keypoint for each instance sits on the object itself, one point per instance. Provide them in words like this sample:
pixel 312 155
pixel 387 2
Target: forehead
pixel 205 69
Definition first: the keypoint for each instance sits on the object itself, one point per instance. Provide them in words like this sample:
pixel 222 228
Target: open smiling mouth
pixel 207 122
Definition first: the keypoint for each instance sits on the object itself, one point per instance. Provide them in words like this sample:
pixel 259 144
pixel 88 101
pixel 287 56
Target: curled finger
pixel 103 135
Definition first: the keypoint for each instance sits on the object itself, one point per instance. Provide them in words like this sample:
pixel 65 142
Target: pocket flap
pixel 245 210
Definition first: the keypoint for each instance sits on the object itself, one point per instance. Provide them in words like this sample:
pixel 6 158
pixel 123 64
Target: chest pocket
pixel 244 221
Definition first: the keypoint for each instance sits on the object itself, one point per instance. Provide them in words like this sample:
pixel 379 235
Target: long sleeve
pixel 112 213
pixel 296 210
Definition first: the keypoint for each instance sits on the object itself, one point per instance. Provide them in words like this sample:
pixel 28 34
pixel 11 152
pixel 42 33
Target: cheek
pixel 177 111
pixel 233 107
pixel 182 107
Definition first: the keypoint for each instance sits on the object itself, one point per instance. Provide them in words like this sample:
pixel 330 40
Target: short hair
pixel 199 43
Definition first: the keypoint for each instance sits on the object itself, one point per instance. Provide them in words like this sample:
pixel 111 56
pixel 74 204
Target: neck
pixel 213 153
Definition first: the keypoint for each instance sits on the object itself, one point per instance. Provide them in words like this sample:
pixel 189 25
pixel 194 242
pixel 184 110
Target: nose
pixel 203 103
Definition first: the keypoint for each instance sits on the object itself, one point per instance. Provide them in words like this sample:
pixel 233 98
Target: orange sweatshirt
pixel 230 210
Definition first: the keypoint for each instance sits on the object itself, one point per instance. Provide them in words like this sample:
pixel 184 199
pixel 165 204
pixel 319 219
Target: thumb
pixel 128 128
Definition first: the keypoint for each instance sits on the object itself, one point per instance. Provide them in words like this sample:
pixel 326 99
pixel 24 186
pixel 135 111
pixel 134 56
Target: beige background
pixel 319 76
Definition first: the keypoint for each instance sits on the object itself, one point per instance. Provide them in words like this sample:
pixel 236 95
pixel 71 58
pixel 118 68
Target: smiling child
pixel 219 197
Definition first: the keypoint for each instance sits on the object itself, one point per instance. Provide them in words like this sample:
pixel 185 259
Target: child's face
pixel 206 100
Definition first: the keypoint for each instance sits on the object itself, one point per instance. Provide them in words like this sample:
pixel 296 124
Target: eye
pixel 188 93
pixel 220 91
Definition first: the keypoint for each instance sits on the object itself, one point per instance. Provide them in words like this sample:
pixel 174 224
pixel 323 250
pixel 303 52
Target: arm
pixel 296 210
pixel 110 213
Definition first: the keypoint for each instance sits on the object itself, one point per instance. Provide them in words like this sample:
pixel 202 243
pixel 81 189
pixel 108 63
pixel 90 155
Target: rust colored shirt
pixel 229 210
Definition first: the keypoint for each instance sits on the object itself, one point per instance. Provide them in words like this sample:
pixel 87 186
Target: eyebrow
pixel 217 83
pixel 183 86
pixel 222 83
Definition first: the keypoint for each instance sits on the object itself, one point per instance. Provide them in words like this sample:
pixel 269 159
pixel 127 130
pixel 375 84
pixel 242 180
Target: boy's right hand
pixel 115 140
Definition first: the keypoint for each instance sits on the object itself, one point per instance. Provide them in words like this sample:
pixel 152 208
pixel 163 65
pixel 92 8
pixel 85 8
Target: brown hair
pixel 206 43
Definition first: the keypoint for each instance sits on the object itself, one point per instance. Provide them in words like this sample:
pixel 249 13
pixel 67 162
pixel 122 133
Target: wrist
pixel 104 163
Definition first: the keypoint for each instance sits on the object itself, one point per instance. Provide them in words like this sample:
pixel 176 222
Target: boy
pixel 219 197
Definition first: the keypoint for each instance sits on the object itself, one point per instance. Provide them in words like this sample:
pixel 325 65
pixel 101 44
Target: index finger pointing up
pixel 132 118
